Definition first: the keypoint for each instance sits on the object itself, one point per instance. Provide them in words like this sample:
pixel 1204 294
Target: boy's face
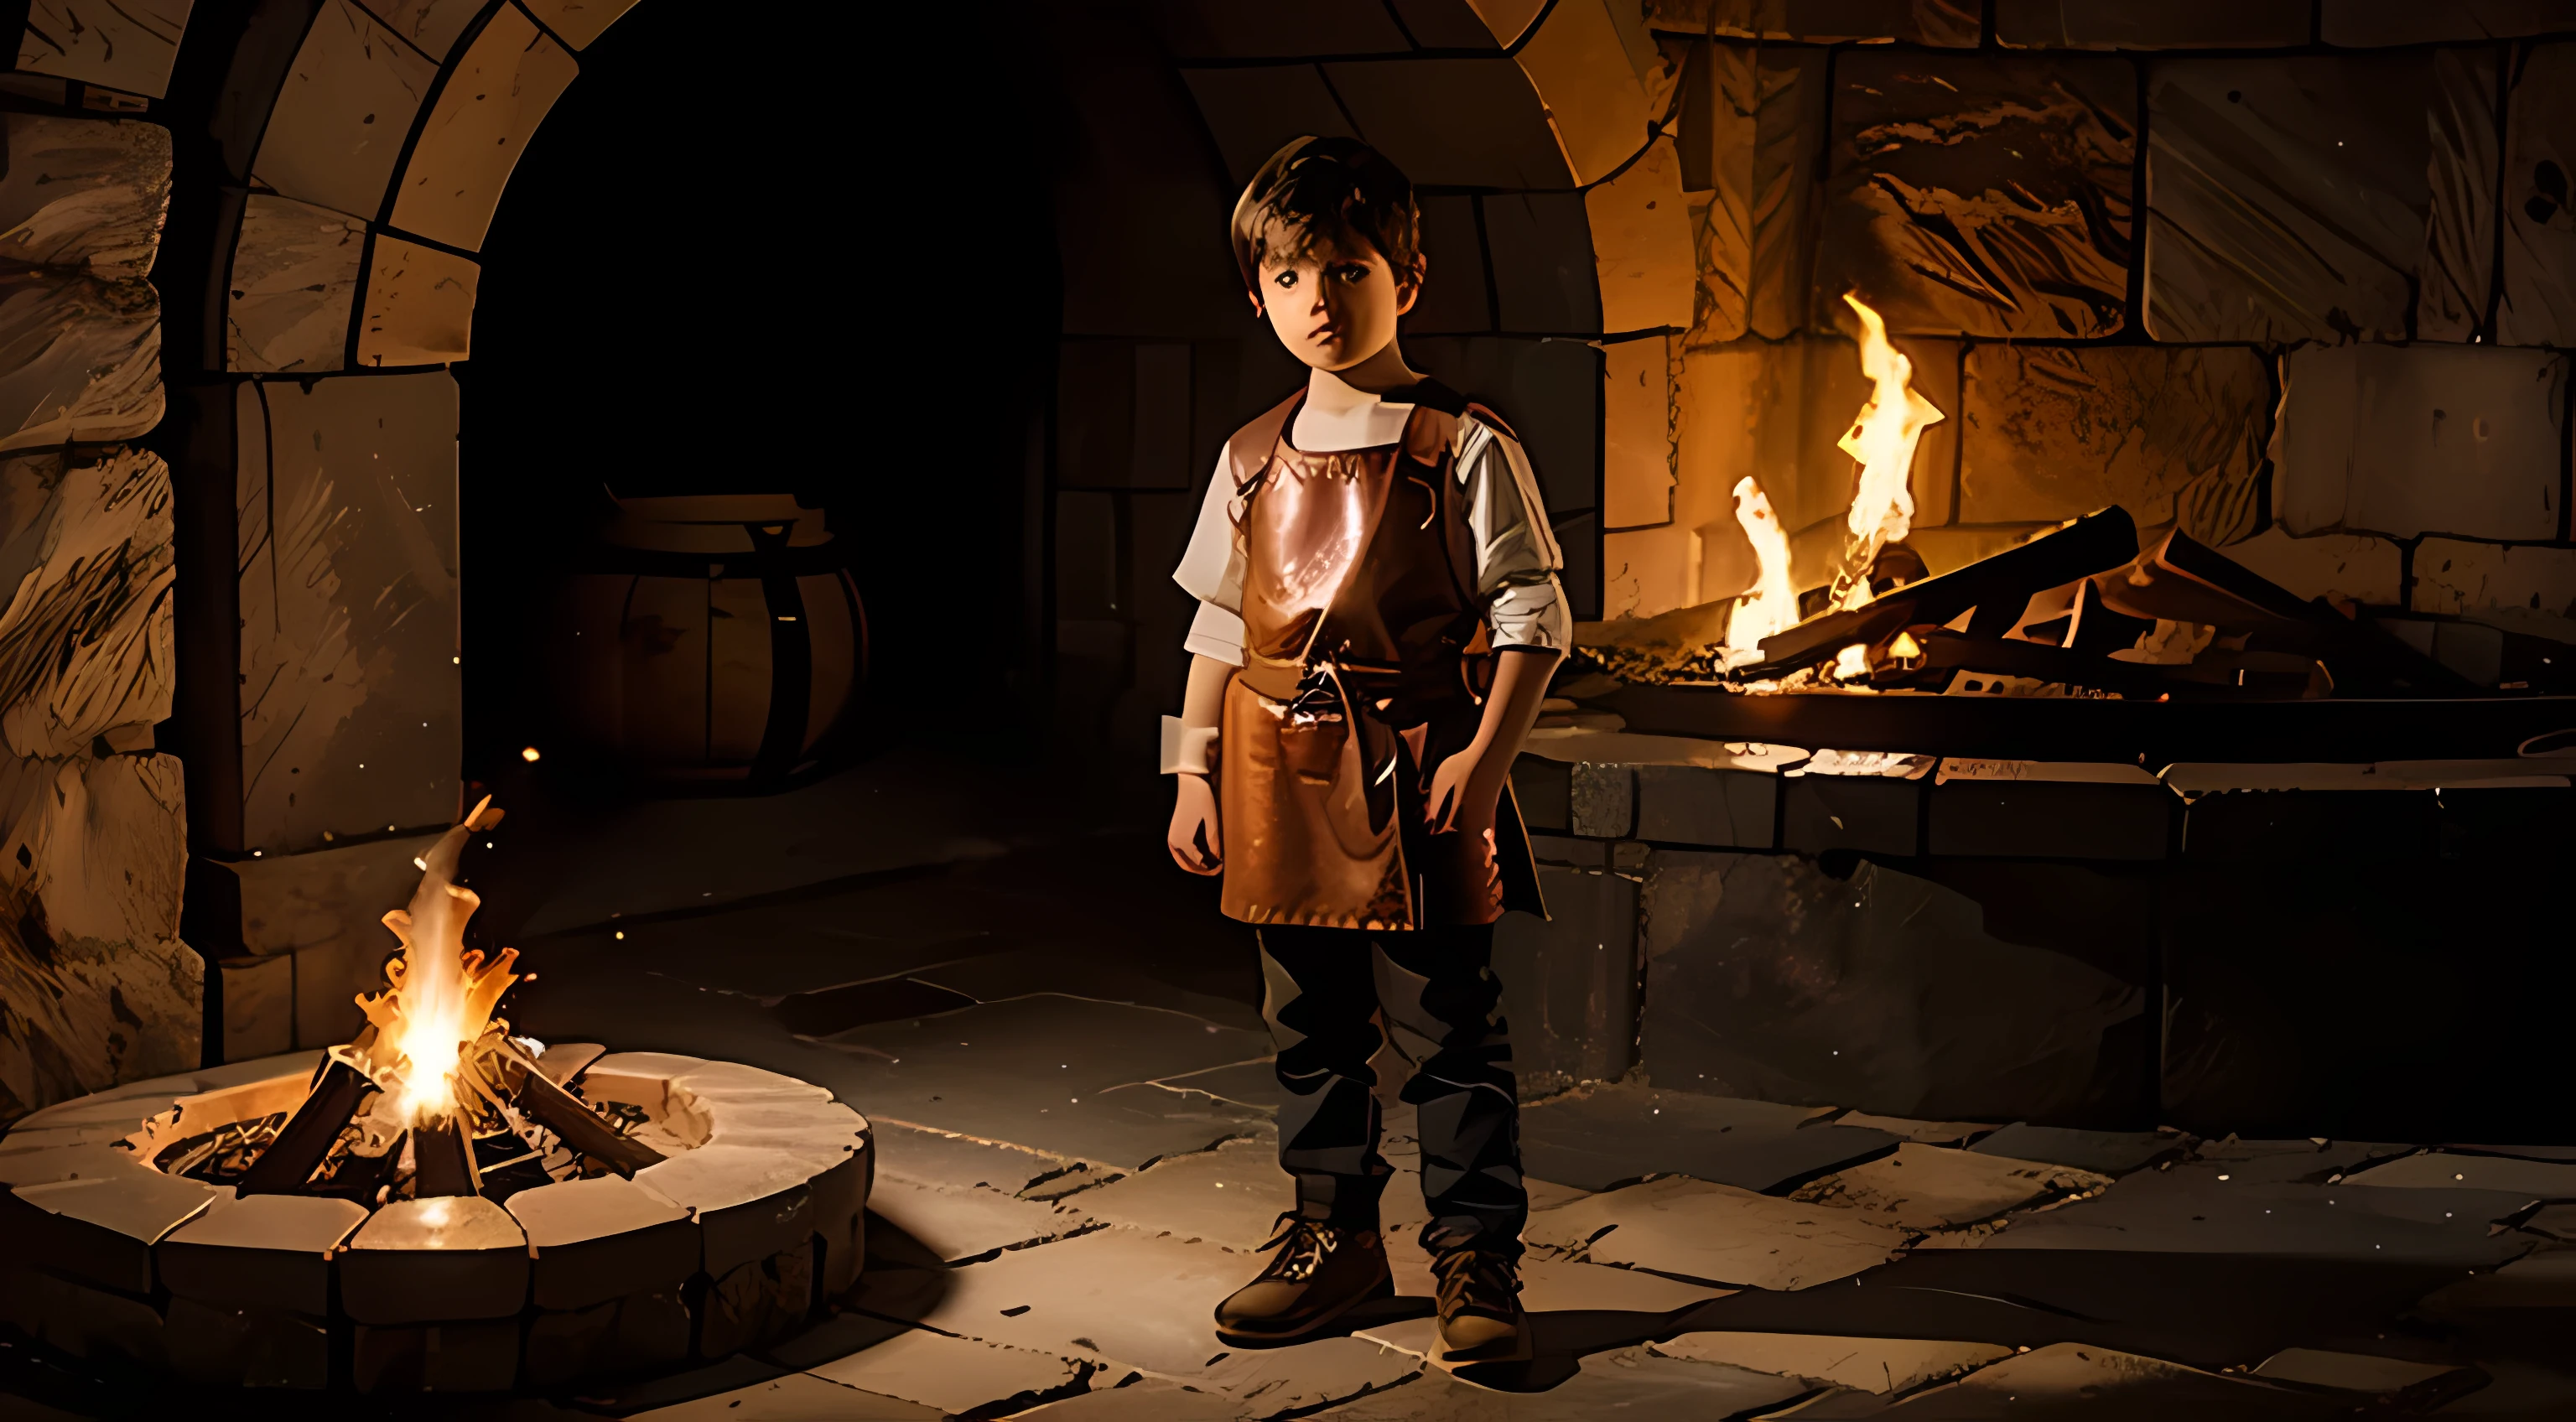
pixel 1335 303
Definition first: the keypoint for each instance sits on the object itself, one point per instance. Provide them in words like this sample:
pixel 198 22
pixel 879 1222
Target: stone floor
pixel 1059 1044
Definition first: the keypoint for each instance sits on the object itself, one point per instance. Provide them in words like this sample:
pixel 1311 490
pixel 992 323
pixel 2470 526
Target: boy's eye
pixel 1354 273
pixel 1286 278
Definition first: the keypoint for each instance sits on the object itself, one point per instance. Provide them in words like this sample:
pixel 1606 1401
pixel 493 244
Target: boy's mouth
pixel 1329 331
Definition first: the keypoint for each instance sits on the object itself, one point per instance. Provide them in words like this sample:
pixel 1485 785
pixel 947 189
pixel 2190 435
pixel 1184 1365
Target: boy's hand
pixel 1463 792
pixel 1194 837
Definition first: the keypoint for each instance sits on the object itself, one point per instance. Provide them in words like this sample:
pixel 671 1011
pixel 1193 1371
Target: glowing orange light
pixel 528 753
pixel 1772 606
pixel 1882 438
pixel 1905 648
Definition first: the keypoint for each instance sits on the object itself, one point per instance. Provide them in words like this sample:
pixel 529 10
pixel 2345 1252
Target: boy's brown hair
pixel 1326 187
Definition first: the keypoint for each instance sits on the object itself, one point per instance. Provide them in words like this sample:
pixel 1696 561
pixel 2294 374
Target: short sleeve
pixel 1517 556
pixel 1211 568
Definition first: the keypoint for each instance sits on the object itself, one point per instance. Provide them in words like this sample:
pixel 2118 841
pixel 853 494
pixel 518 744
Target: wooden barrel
pixel 710 640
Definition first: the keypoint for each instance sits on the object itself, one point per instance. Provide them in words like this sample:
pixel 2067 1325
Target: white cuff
pixel 1188 750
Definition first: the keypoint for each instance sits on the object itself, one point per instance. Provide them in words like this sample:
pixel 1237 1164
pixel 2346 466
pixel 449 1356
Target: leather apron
pixel 1365 666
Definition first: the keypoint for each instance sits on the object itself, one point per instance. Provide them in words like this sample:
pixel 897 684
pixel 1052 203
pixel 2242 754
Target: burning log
pixel 1994 590
pixel 339 1088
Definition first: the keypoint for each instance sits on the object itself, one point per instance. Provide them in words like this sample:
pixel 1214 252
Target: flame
pixel 440 995
pixel 1772 606
pixel 1852 663
pixel 1882 438
pixel 1905 648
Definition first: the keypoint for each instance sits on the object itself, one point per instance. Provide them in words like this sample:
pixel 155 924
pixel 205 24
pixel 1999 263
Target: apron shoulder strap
pixel 1248 453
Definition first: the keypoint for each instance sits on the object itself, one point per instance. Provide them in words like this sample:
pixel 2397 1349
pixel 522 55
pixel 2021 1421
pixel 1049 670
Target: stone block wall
pixel 96 986
pixel 2293 276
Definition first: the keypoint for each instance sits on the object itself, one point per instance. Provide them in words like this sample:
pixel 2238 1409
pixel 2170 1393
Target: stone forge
pixel 441 1205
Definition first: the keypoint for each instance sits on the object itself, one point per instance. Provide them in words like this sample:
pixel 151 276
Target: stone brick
pixel 1453 300
pixel 1950 23
pixel 756 1302
pixel 1724 809
pixel 1603 81
pixel 1985 196
pixel 84 360
pixel 2334 566
pixel 1770 979
pixel 1604 800
pixel 442 1357
pixel 1549 392
pixel 1255 32
pixel 422 1261
pixel 2520 588
pixel 420 305
pixel 223 1345
pixel 1570 981
pixel 1641 244
pixel 260 1251
pixel 2390 22
pixel 128 46
pixel 639 1332
pixel 1753 129
pixel 2049 433
pixel 432 26
pixel 2306 198
pixel 85 193
pixel 318 916
pixel 2172 24
pixel 500 91
pixel 294 283
pixel 85 647
pixel 750 1202
pixel 339 125
pixel 100 1229
pixel 2420 439
pixel 99 1325
pixel 347 525
pixel 2538 307
pixel 102 989
pixel 1636 433
pixel 595 1241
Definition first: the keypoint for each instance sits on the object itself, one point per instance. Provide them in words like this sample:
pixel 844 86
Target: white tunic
pixel 1516 554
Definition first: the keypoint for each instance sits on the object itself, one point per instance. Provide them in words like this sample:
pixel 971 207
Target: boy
pixel 1379 617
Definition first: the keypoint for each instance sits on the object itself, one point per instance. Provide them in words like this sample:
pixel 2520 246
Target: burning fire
pixel 1772 606
pixel 1882 438
pixel 441 995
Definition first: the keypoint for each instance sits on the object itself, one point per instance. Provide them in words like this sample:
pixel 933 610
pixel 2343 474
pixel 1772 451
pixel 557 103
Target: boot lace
pixel 1303 1246
pixel 1476 1281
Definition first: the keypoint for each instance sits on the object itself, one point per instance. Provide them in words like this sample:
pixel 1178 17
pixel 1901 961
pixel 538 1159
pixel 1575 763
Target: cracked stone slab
pixel 2106 1382
pixel 1726 1236
pixel 129 46
pixel 1231 1195
pixel 954 1224
pixel 1254 1084
pixel 1945 1133
pixel 940 1159
pixel 1880 1365
pixel 1626 1382
pixel 1983 195
pixel 958 1376
pixel 2442 1170
pixel 2051 433
pixel 90 368
pixel 2103 1152
pixel 1926 1188
pixel 2189 1208
pixel 2308 198
pixel 1606 1136
pixel 294 284
pixel 1119 1295
pixel 2173 24
pixel 1036 1071
pixel 340 123
pixel 2339 567
pixel 1143 1400
pixel 2556 1221
pixel 797 1397
pixel 2462 440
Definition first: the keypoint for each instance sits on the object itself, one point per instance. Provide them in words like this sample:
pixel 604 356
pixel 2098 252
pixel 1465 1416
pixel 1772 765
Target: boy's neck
pixel 1366 381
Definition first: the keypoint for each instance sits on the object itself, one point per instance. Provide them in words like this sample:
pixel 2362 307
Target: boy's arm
pixel 1195 836
pixel 1467 786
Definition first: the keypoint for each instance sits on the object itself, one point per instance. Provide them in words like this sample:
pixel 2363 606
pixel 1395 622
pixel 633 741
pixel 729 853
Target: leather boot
pixel 1319 1273
pixel 1481 1319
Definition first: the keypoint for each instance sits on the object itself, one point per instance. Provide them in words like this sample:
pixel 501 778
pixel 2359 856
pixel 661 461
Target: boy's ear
pixel 1408 287
pixel 1258 310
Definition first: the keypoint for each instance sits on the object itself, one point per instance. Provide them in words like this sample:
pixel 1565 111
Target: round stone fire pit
pixel 131 1233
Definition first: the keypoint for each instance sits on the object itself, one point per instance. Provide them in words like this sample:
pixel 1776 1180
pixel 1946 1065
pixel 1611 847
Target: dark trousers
pixel 1325 991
